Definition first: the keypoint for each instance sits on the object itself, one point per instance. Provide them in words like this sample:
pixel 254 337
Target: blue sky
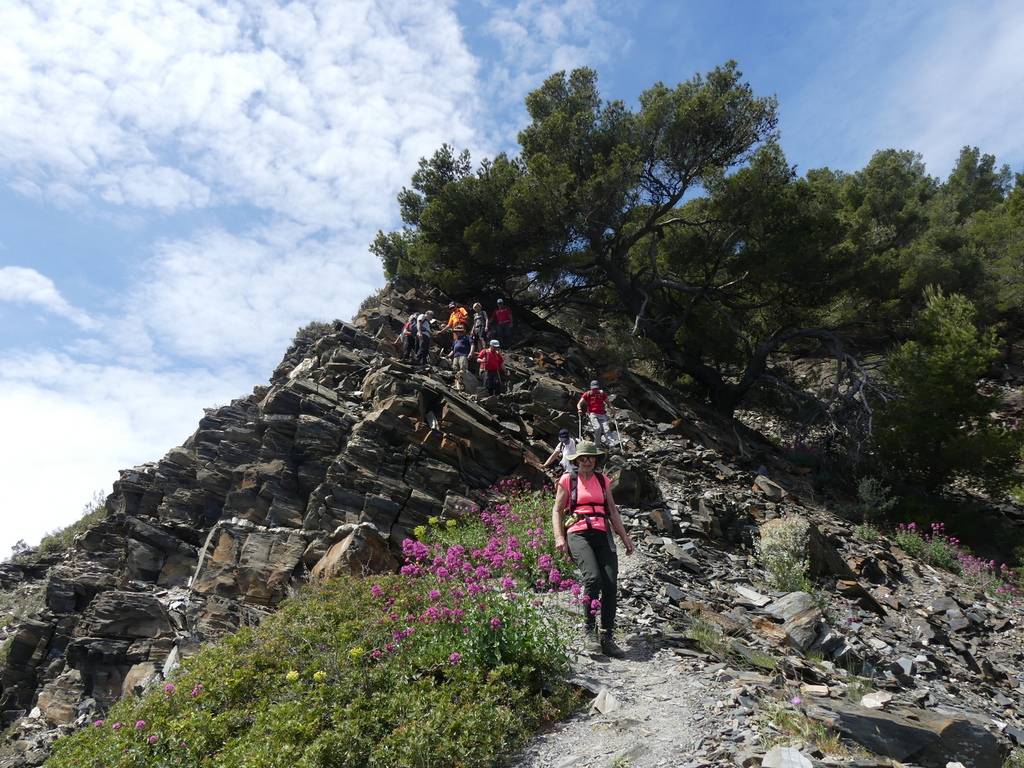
pixel 184 183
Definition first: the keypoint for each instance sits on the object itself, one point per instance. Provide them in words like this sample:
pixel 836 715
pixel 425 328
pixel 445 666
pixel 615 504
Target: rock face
pixel 328 468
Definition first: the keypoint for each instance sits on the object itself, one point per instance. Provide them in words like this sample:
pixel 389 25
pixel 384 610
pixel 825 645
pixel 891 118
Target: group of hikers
pixel 480 337
pixel 584 516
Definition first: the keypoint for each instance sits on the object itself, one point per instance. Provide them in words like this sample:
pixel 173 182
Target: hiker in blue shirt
pixel 460 356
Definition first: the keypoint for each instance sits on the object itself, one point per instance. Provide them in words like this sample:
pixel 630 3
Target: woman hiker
pixel 584 517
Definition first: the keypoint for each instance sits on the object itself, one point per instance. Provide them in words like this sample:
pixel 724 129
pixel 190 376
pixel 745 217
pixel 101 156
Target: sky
pixel 184 183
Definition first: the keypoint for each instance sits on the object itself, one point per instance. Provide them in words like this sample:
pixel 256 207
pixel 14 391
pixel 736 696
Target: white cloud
pixel 69 426
pixel 220 296
pixel 315 111
pixel 21 285
pixel 538 38
pixel 961 85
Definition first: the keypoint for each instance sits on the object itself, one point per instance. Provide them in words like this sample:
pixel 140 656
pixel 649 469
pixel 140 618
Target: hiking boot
pixel 591 644
pixel 609 648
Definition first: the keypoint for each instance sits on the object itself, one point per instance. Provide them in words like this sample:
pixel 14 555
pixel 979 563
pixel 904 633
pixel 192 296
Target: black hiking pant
pixel 409 348
pixel 492 382
pixel 424 350
pixel 594 553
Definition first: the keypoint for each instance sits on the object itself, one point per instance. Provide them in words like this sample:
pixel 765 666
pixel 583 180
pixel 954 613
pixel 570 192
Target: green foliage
pixel 325 682
pixel 934 548
pixel 93 512
pixel 782 551
pixel 313 330
pixel 867 532
pixel 786 722
pixel 874 499
pixel 1015 759
pixel 938 426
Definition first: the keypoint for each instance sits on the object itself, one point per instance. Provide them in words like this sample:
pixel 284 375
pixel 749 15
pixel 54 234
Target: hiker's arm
pixel 579 405
pixel 617 526
pixel 552 457
pixel 558 519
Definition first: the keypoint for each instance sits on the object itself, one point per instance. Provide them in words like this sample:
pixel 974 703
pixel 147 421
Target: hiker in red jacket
pixel 595 402
pixel 492 363
pixel 501 323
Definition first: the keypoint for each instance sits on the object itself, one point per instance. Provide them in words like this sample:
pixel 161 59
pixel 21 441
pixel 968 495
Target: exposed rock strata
pixel 329 467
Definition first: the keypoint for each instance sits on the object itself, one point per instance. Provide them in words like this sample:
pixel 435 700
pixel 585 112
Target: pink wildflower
pixel 140 724
pixel 455 658
pixel 169 688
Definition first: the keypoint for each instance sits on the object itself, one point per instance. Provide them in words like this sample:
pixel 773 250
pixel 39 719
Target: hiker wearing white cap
pixel 492 364
pixel 595 402
pixel 583 519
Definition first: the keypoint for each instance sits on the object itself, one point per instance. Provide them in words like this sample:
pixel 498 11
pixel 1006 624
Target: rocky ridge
pixel 329 467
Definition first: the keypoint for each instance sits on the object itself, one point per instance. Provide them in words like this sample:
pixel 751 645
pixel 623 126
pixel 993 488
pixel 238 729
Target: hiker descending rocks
pixel 595 402
pixel 459 356
pixel 423 332
pixel 407 338
pixel 565 448
pixel 478 331
pixel 583 519
pixel 500 326
pixel 492 364
pixel 458 317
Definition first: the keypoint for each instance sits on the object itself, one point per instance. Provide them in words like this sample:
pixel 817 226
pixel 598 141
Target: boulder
pixel 363 551
pixel 928 738
pixel 254 565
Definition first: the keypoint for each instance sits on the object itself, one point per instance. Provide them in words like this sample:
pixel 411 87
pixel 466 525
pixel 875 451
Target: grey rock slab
pixel 925 737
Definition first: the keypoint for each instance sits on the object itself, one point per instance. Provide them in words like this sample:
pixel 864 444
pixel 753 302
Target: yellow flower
pixel 451 522
pixel 356 653
pixel 292 676
pixel 433 520
pixel 420 531
pixel 320 676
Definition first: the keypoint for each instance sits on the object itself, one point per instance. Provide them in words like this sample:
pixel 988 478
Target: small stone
pixel 604 702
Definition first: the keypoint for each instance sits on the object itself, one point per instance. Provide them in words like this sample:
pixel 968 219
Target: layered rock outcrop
pixel 325 470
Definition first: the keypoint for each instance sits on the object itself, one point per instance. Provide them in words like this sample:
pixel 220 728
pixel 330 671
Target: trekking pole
pixel 618 435
pixel 579 426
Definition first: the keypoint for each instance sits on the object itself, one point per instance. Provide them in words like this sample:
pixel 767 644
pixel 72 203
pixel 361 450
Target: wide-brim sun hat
pixel 586 448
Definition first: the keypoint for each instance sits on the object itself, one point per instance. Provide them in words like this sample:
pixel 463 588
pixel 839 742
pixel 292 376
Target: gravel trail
pixel 664 713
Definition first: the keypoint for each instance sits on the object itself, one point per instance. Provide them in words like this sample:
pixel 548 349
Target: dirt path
pixel 666 711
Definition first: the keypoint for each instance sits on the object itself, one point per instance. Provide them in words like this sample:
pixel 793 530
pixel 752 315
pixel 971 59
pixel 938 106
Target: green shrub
pixel 782 552
pixel 867 532
pixel 874 499
pixel 59 540
pixel 938 426
pixel 379 672
pixel 313 330
pixel 910 540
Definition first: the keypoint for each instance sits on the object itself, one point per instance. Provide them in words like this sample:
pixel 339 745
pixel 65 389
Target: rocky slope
pixel 329 467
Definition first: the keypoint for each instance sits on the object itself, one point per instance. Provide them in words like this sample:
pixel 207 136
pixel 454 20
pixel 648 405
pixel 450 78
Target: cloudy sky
pixel 183 183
